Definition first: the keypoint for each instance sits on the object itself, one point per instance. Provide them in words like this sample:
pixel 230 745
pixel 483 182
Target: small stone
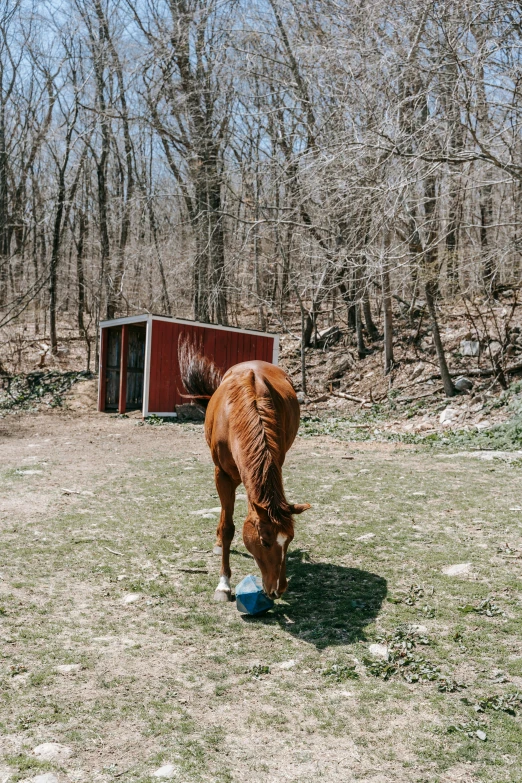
pixel 459 569
pixel 131 598
pixel 420 629
pixel 481 735
pixel 379 650
pixel 417 370
pixel 190 412
pixel 52 751
pixel 339 367
pixel 300 398
pixel 470 348
pixel 167 771
pixel 287 664
pixel 48 777
pixel 448 415
pixel 69 668
pixel 366 537
pixel 463 384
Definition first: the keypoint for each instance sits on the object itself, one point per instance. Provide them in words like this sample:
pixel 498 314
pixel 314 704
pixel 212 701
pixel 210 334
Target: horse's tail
pixel 199 374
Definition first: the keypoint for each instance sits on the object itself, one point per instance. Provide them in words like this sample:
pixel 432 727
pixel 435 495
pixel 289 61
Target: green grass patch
pixel 173 677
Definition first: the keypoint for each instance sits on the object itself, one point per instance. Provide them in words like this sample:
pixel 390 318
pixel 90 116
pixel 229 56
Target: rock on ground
pixel 457 570
pixel 379 650
pixel 130 598
pixel 165 772
pixel 190 412
pixel 448 415
pixel 68 668
pixel 52 751
pixel 420 629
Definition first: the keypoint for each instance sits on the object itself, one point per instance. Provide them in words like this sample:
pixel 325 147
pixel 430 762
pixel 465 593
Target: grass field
pixel 105 563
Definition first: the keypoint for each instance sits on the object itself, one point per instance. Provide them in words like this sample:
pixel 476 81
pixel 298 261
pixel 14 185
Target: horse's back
pixel 275 376
pixel 272 384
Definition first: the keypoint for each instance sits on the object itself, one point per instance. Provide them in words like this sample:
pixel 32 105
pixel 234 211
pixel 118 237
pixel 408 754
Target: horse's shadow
pixel 326 604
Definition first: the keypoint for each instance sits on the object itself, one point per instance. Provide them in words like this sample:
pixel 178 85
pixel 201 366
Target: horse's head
pixel 268 542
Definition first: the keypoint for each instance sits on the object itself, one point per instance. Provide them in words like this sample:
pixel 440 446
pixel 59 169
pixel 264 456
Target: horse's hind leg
pixel 226 488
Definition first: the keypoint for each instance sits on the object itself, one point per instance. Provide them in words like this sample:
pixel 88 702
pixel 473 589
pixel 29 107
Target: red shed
pixel 139 367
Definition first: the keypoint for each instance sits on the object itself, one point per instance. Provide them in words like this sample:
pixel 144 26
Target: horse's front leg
pixel 226 487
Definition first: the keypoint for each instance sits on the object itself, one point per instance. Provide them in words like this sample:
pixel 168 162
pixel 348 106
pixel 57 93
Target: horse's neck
pixel 257 446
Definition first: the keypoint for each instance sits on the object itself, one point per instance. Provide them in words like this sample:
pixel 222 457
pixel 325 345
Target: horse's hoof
pixel 218 550
pixel 222 596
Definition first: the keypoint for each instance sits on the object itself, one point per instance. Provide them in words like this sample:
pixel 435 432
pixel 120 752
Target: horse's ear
pixel 298 508
pixel 261 511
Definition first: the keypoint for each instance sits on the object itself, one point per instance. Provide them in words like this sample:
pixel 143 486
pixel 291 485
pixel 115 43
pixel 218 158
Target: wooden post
pixel 103 369
pixel 124 358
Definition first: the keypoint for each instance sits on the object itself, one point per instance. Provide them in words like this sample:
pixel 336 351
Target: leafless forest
pixel 281 164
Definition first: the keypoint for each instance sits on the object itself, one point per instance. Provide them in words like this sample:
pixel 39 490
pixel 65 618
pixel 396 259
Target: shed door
pixel 135 365
pixel 112 370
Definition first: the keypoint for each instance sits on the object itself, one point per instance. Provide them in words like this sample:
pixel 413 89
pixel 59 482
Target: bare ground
pixel 94 509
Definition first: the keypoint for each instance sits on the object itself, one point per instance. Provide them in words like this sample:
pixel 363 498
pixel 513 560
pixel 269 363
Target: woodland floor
pixel 95 508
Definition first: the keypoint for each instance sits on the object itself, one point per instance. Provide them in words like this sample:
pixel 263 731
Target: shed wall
pixel 225 348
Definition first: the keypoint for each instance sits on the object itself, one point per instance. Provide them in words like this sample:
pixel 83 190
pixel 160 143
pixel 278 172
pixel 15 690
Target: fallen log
pixel 349 397
pixel 487 372
pixel 322 398
pixel 419 396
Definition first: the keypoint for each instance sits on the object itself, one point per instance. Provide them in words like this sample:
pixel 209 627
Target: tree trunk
pixel 110 306
pixel 80 277
pixel 127 184
pixel 53 266
pixel 4 209
pixel 308 328
pixel 489 269
pixel 431 287
pixel 373 332
pixel 450 100
pixel 388 322
pixel 361 347
pixel 452 242
pixel 430 293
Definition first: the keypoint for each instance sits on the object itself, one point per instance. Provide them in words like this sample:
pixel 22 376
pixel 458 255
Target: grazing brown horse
pixel 251 421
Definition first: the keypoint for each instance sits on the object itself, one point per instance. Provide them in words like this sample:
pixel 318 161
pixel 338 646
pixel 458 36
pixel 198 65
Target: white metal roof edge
pixel 130 319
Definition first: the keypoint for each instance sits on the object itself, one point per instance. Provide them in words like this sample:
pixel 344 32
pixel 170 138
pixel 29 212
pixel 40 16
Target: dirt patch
pixel 94 508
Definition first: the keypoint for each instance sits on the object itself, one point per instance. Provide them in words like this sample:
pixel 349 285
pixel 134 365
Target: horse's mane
pixel 254 423
pixel 199 374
